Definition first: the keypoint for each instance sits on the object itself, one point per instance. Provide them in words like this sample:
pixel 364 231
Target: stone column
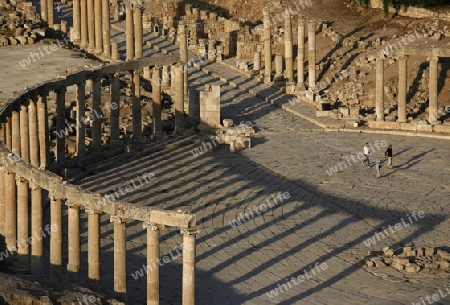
pixel 156 94
pixel 257 60
pixel 15 124
pixel 80 123
pixel 179 102
pixel 267 47
pixel 120 259
pixel 76 26
pixel 44 10
pixel 24 134
pixel 211 49
pixel 136 104
pixel 312 54
pixel 115 109
pixel 50 13
pixel 43 131
pixel 184 59
pixel 33 132
pixel 402 87
pixel 278 67
pixel 98 27
pixel 2 191
pixel 189 266
pixel 91 25
pixel 130 32
pixel 56 239
pixel 37 248
pixel 380 89
pixel 138 33
pixel 288 51
pixel 433 89
pixel 152 263
pixel 8 133
pixel 23 249
pixel 10 212
pixel 106 29
pixel 301 54
pixel 60 125
pixel 165 82
pixel 97 113
pixel 94 248
pixel 84 24
pixel 73 230
pixel 115 51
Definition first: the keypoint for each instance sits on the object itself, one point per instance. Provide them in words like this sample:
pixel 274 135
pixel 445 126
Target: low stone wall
pixel 414 12
pixel 410 127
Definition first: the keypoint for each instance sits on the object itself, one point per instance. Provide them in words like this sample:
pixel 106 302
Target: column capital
pixel 34 186
pixel 53 197
pixel 433 58
pixel 157 67
pixel 152 226
pixel 118 219
pixel 189 231
pixel 71 204
pixel 403 56
pixel 20 179
pixel 302 19
pixel 266 11
pixel 92 211
pixel 312 25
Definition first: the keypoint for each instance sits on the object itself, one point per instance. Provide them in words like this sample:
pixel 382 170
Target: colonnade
pixel 289 58
pixel 24 156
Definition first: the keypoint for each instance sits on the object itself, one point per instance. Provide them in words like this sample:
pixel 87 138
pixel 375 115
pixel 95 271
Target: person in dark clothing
pixel 388 154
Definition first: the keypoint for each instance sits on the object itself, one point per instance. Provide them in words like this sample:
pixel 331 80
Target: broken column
pixel 433 89
pixel 278 67
pixel 257 59
pixel 311 55
pixel 179 95
pixel 379 95
pixel 157 123
pixel 210 105
pixel 152 261
pixel 120 258
pixel 402 86
pixel 115 109
pixel 189 266
pixel 267 47
pixel 93 247
pixel 288 55
pixel 301 54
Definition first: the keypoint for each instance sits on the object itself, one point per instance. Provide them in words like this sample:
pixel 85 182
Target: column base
pixel 98 51
pixel 267 79
pixel 290 87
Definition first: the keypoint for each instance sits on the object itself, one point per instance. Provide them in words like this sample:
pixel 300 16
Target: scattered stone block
pixel 443 265
pixel 443 254
pixel 412 269
pixel 227 123
pixel 429 251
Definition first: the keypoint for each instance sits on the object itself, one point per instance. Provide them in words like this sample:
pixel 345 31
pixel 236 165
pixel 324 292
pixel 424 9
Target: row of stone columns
pixel 134 31
pixel 48 11
pixel 91 26
pixel 403 87
pixel 289 60
pixel 21 133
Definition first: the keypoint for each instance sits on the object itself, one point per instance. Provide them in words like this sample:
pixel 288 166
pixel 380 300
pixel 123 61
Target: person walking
pixel 367 153
pixel 388 154
pixel 378 167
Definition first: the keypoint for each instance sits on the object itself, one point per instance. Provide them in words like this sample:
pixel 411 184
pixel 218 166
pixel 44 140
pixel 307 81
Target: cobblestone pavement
pixel 325 220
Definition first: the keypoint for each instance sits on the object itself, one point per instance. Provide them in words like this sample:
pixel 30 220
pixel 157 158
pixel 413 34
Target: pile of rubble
pixel 19 25
pixel 412 260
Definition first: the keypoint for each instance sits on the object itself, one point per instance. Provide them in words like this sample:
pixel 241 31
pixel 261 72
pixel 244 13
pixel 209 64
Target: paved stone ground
pixel 325 220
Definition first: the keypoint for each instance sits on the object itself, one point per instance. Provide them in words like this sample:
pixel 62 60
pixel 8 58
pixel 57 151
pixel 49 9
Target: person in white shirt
pixel 367 153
